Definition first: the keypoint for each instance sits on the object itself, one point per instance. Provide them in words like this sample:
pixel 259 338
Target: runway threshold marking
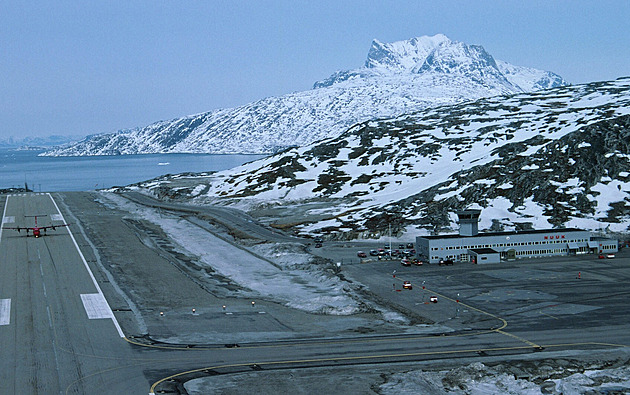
pixel 96 306
pixel 5 311
pixel 87 267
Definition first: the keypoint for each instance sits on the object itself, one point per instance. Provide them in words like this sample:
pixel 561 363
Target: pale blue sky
pixel 82 67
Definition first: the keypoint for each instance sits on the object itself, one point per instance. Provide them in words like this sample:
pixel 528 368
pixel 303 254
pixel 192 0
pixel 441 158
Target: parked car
pixel 406 262
pixel 318 245
pixel 417 262
pixel 361 254
pixel 401 246
pixel 373 252
pixel 446 262
pixel 433 299
pixel 610 256
pixel 410 245
pixel 407 285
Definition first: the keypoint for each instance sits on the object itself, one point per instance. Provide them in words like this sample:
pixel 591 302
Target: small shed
pixel 485 255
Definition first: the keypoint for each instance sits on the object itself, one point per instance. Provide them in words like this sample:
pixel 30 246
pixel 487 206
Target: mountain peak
pixel 403 55
pixel 438 56
pixel 474 61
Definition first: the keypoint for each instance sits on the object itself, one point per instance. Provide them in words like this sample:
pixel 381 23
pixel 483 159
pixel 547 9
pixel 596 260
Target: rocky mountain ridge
pixel 397 78
pixel 556 158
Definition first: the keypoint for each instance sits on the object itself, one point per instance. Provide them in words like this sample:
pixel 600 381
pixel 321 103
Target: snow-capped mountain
pixel 397 78
pixel 559 157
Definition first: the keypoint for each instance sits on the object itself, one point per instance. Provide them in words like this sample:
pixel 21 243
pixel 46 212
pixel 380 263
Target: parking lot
pixel 346 253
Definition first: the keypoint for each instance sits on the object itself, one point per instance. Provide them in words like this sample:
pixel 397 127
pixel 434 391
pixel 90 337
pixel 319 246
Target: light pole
pixel 423 291
pixel 389 228
pixel 457 309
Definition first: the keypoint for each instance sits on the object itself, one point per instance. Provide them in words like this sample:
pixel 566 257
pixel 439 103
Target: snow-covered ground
pixel 290 279
pixel 535 377
pixel 479 379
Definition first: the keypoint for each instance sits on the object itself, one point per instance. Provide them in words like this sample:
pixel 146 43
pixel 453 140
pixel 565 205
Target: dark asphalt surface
pixel 50 346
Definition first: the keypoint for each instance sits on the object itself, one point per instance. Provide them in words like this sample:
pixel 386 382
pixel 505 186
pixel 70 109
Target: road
pixel 234 220
pixel 49 344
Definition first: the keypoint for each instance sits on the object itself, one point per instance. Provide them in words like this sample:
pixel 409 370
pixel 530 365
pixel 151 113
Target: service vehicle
pixel 407 285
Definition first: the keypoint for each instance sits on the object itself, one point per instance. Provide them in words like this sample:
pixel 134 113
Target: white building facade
pixel 471 246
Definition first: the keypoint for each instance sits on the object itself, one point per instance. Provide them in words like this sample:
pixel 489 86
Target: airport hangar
pixel 493 247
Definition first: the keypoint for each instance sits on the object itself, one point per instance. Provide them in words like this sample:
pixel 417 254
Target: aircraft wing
pixel 53 227
pixel 18 228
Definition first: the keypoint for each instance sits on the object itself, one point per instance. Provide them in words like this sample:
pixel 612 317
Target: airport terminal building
pixel 471 246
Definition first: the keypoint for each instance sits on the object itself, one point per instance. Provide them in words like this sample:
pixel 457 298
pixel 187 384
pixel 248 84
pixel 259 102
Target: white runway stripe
pixel 5 311
pixel 87 267
pixel 96 306
pixel 56 217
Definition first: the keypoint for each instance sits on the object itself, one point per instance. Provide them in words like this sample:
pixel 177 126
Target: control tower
pixel 468 222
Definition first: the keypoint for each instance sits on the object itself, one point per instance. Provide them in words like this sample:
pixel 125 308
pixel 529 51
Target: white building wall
pixel 523 245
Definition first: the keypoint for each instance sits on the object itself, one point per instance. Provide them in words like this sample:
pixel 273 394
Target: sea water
pixel 84 173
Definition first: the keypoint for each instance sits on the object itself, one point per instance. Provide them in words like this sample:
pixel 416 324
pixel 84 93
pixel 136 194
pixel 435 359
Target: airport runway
pixel 59 335
pixel 49 344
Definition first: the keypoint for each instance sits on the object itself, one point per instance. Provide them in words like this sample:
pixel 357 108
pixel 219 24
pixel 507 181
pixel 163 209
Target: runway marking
pixel 87 267
pixel 56 217
pixel 5 311
pixel 548 315
pixel 518 338
pixel 8 220
pixel 4 214
pixel 96 306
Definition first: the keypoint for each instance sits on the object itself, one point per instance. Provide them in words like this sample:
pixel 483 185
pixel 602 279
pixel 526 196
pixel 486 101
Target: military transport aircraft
pixel 37 230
